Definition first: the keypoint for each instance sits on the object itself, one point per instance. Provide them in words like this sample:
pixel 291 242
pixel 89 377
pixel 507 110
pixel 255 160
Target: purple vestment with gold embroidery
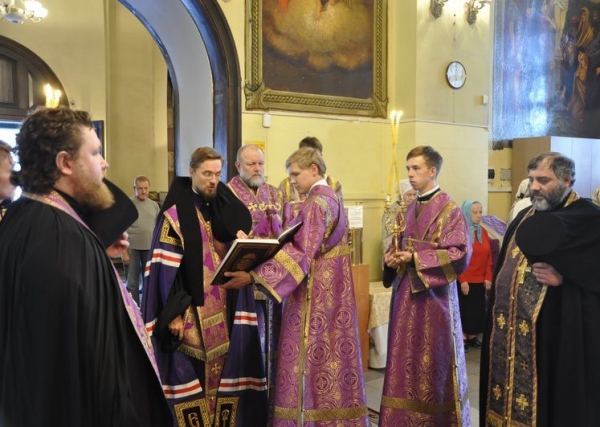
pixel 215 376
pixel 319 371
pixel 292 200
pixel 266 207
pixel 426 378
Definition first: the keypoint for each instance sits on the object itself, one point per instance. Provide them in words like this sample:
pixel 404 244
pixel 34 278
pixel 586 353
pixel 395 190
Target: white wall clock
pixel 456 75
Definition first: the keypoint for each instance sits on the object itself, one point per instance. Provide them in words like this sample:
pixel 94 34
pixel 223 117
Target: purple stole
pixel 425 332
pixel 57 201
pixel 265 207
pixel 233 392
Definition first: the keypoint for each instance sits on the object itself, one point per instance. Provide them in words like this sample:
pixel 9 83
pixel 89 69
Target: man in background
pixel 74 350
pixel 7 189
pixel 265 204
pixel 425 330
pixel 140 235
pixel 291 198
pixel 539 361
pixel 206 339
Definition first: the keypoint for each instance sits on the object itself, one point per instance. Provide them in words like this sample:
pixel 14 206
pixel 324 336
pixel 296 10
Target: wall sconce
pixel 436 6
pixel 473 7
pixel 52 96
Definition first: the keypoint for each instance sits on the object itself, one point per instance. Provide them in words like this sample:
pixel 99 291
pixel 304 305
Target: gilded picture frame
pixel 366 86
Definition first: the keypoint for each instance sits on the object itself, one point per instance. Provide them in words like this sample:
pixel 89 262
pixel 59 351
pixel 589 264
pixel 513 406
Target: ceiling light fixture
pixel 32 10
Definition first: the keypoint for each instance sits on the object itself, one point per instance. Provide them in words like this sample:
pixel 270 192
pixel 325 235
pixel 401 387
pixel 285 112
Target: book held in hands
pixel 246 254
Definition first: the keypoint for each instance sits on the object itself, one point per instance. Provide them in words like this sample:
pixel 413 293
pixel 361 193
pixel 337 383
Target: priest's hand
pixel 545 274
pixel 176 327
pixel 118 246
pixel 394 259
pixel 241 235
pixel 238 280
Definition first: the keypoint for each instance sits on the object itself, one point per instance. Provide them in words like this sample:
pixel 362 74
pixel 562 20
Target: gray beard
pixel 554 199
pixel 253 183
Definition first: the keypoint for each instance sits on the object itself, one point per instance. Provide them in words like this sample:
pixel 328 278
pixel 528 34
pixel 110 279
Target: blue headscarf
pixel 475 228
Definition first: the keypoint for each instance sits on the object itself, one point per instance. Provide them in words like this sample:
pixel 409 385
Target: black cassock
pixel 69 353
pixel 568 326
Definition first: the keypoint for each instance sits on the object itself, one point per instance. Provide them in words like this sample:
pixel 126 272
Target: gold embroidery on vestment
pixel 326 414
pixel 170 233
pixel 189 414
pixel 416 406
pixel 213 320
pixel 338 251
pixel 446 265
pixel 290 265
pixel 226 412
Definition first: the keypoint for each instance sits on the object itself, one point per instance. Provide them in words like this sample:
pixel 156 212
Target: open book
pixel 246 254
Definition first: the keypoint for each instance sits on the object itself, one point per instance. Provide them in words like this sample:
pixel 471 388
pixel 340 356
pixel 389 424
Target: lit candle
pixel 48 92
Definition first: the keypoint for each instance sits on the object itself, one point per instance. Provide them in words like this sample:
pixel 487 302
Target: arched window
pixel 23 75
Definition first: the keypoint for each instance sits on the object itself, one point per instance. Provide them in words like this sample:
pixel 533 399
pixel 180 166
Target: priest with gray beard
pixel 265 203
pixel 539 363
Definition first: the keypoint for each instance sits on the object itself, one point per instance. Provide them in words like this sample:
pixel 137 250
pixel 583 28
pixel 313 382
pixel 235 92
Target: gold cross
pixel 216 368
pixel 522 402
pixel 501 321
pixel 515 251
pixel 524 268
pixel 524 328
pixel 497 392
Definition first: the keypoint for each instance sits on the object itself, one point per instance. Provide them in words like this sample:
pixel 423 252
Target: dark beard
pixel 207 197
pixel 93 196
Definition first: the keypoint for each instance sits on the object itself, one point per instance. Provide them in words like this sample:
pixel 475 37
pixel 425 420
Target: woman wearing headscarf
pixel 476 280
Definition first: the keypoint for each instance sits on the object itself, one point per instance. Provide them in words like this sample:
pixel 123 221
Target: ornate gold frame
pixel 263 98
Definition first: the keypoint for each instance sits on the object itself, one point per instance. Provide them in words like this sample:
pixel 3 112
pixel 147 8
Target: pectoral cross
pixel 522 270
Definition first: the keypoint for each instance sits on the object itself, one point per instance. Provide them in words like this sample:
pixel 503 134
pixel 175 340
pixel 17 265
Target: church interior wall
pixel 357 149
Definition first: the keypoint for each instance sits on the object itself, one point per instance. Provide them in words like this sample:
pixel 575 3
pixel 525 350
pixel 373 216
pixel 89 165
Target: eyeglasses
pixel 211 175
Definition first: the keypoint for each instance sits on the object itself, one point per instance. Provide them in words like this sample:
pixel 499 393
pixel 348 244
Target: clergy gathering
pixel 298 213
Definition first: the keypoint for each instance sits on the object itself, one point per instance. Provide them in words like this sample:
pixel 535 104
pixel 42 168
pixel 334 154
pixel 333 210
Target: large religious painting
pixel 547 69
pixel 323 56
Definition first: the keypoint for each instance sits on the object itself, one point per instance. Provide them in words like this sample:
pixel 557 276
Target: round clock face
pixel 456 75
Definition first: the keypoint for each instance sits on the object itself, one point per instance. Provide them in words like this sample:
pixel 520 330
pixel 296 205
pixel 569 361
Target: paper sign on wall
pixel 355 216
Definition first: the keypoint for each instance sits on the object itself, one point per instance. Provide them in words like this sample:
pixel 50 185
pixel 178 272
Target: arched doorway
pixel 218 45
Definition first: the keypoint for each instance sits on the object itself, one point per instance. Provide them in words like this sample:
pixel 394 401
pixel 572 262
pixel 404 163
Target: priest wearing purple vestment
pixel 265 204
pixel 206 339
pixel 319 375
pixel 426 378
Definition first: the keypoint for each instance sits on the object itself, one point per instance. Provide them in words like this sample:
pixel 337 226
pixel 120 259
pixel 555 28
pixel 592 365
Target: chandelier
pixel 32 10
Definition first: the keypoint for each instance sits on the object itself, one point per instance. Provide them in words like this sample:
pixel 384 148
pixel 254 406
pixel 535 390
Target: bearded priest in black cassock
pixel 540 362
pixel 73 348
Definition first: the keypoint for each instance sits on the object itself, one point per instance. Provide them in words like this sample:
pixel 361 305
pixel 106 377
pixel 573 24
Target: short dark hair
pixel 202 154
pixel 43 135
pixel 432 158
pixel 311 142
pixel 562 166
